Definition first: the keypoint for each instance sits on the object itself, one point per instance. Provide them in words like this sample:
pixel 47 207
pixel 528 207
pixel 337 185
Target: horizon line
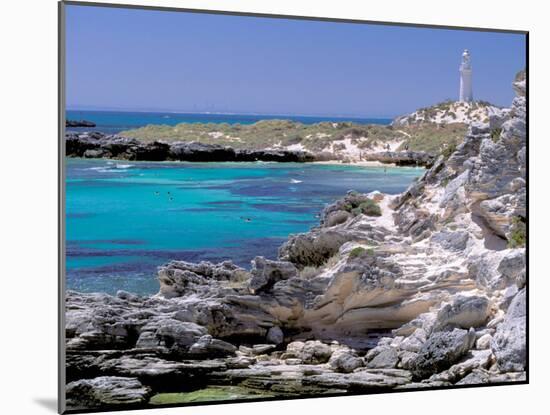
pixel 160 111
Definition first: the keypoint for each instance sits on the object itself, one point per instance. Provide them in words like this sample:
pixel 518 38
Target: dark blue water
pixel 115 121
pixel 124 219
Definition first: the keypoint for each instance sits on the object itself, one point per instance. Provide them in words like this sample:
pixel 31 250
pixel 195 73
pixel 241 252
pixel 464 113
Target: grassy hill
pixel 324 136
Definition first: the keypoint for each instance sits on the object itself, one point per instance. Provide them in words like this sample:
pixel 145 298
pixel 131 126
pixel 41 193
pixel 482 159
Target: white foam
pixel 294 181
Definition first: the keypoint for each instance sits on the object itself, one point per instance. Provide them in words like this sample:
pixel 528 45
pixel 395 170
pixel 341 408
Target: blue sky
pixel 158 60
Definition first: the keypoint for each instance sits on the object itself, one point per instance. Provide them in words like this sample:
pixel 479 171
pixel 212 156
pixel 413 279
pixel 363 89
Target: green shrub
pixel 518 233
pixel 495 134
pixel 370 208
pixel 356 211
pixel 357 252
pixel 448 150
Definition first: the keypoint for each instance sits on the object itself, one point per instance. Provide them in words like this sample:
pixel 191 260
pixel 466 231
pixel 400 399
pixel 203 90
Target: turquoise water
pixel 115 121
pixel 124 219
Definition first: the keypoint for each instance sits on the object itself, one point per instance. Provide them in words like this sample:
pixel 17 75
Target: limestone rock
pixel 453 241
pixel 484 342
pixel 464 312
pixel 311 351
pixel 441 350
pixel 386 359
pixel 509 342
pixel 210 347
pixel 106 392
pixel 275 335
pixel 265 273
pixel 345 360
pixel 336 218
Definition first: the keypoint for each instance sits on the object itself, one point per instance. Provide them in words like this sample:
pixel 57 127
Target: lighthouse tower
pixel 466 78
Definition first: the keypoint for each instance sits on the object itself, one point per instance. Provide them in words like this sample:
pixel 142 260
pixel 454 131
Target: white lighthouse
pixel 466 78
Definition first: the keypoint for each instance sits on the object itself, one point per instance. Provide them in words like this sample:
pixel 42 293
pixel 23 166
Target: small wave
pixel 123 166
pixel 294 181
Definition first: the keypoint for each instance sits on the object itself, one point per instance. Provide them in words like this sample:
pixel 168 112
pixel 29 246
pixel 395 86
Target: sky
pixel 146 60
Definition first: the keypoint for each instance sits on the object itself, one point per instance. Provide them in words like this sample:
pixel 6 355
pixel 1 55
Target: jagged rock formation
pixel 428 289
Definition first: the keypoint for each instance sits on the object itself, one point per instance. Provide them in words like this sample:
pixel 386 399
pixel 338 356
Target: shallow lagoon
pixel 124 219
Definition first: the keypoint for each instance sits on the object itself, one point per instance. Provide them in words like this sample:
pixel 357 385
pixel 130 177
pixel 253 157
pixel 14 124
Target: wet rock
pixel 106 392
pixel 79 123
pixel 361 380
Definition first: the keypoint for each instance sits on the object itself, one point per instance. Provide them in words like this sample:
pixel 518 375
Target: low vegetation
pixel 370 208
pixel 495 134
pixel 357 204
pixel 448 150
pixel 361 252
pixel 433 138
pixel 357 252
pixel 518 233
pixel 329 136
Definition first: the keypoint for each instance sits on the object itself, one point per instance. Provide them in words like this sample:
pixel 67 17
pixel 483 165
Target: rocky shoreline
pixel 419 290
pixel 79 123
pixel 99 145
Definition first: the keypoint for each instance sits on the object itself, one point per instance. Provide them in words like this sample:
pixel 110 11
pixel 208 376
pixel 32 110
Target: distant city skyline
pixel 144 60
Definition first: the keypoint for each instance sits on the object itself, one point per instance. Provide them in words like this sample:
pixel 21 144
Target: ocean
pixel 124 219
pixel 113 122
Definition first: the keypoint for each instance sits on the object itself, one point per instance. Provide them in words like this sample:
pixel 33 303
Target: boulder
pixel 509 343
pixel 275 335
pixel 464 312
pixel 345 360
pixel 441 350
pixel 178 336
pixel 484 342
pixel 310 352
pixel 209 347
pixel 386 359
pixel 106 392
pixel 336 218
pixel 512 266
